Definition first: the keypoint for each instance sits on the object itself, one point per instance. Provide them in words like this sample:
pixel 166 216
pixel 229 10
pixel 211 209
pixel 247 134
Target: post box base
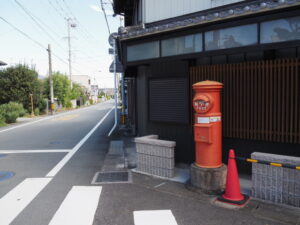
pixel 209 180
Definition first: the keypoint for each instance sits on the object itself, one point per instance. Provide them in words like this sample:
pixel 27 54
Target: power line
pixel 53 17
pixel 85 35
pixel 23 33
pixel 70 11
pixel 33 40
pixel 59 12
pixel 38 23
pixel 102 7
pixel 62 9
pixel 55 9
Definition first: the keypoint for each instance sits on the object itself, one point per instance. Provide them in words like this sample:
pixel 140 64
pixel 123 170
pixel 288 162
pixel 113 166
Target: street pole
pixel 70 54
pixel 31 100
pixel 122 87
pixel 123 97
pixel 116 90
pixel 51 81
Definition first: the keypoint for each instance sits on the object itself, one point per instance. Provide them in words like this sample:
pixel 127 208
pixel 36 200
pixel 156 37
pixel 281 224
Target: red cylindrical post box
pixel 208 125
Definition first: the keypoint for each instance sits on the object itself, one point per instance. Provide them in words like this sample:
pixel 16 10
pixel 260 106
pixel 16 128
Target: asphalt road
pixel 54 160
pixel 48 157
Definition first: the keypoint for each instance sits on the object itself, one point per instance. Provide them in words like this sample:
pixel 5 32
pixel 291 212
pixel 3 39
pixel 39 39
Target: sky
pixel 44 22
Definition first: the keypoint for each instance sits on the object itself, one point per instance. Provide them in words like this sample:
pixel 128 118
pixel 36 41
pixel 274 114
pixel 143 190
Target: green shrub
pixel 36 111
pixel 11 117
pixel 68 104
pixel 2 119
pixel 42 105
pixel 11 111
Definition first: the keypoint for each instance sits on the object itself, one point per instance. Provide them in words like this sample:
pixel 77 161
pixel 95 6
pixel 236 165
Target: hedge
pixel 11 111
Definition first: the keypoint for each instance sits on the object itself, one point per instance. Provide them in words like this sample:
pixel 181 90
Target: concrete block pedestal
pixel 276 184
pixel 209 180
pixel 154 156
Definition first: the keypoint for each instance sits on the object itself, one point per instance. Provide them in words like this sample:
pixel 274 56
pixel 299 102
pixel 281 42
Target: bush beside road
pixel 10 112
pixel 24 92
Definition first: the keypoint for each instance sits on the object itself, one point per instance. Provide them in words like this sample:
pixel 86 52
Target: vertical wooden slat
pixel 230 89
pixel 244 102
pixel 292 96
pixel 241 83
pixel 276 102
pixel 286 99
pixel 297 105
pixel 263 102
pixel 267 106
pixel 247 99
pixel 225 102
pixel 256 104
pixel 297 98
pixel 271 97
pixel 260 100
pixel 278 94
pixel 240 96
pixel 234 98
pixel 282 102
pixel 251 96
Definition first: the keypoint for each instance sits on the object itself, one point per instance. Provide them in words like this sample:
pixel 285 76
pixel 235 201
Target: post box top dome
pixel 207 84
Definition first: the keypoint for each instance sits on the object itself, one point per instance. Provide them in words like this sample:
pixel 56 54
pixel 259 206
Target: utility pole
pixel 115 87
pixel 69 44
pixel 31 100
pixel 51 81
pixel 122 87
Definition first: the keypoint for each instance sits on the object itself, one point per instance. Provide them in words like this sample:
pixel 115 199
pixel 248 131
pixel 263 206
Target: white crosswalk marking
pixel 34 151
pixel 79 206
pixel 18 198
pixel 151 217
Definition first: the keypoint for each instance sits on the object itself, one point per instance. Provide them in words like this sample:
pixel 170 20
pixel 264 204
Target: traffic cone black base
pixel 239 203
pixel 232 194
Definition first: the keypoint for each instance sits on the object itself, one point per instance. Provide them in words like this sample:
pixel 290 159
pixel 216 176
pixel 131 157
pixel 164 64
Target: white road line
pixel 18 198
pixel 43 119
pixel 61 164
pixel 157 217
pixel 79 206
pixel 34 151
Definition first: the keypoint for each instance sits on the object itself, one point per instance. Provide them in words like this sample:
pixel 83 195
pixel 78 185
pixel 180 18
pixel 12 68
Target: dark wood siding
pixel 260 99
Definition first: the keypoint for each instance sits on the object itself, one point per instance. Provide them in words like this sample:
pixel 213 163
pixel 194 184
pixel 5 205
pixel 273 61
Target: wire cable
pixel 76 19
pixel 23 33
pixel 33 40
pixel 32 17
pixel 55 9
pixel 103 9
pixel 83 34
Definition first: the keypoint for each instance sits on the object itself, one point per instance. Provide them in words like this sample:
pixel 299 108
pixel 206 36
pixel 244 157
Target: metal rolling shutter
pixel 168 100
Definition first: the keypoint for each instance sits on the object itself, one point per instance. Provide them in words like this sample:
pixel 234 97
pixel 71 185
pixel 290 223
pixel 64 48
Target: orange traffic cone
pixel 232 193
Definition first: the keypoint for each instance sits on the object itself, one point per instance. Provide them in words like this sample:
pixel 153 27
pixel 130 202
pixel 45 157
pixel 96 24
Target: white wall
pixel 83 80
pixel 155 10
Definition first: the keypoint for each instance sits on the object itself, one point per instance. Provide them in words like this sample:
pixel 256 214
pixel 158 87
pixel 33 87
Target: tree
pixel 61 88
pixel 77 91
pixel 17 83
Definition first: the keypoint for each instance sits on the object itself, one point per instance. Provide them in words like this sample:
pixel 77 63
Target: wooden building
pixel 253 47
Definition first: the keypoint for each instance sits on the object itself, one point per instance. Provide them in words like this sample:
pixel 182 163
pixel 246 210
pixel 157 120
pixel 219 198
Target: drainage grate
pixel 4 175
pixel 112 177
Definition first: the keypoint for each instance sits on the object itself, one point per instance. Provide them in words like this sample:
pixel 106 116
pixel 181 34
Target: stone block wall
pixel 154 156
pixel 276 184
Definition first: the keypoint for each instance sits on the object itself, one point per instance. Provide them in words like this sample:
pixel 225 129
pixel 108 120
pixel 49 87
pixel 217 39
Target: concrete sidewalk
pixel 119 202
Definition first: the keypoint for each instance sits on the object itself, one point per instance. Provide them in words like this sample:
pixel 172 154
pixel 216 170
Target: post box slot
pixel 203 133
